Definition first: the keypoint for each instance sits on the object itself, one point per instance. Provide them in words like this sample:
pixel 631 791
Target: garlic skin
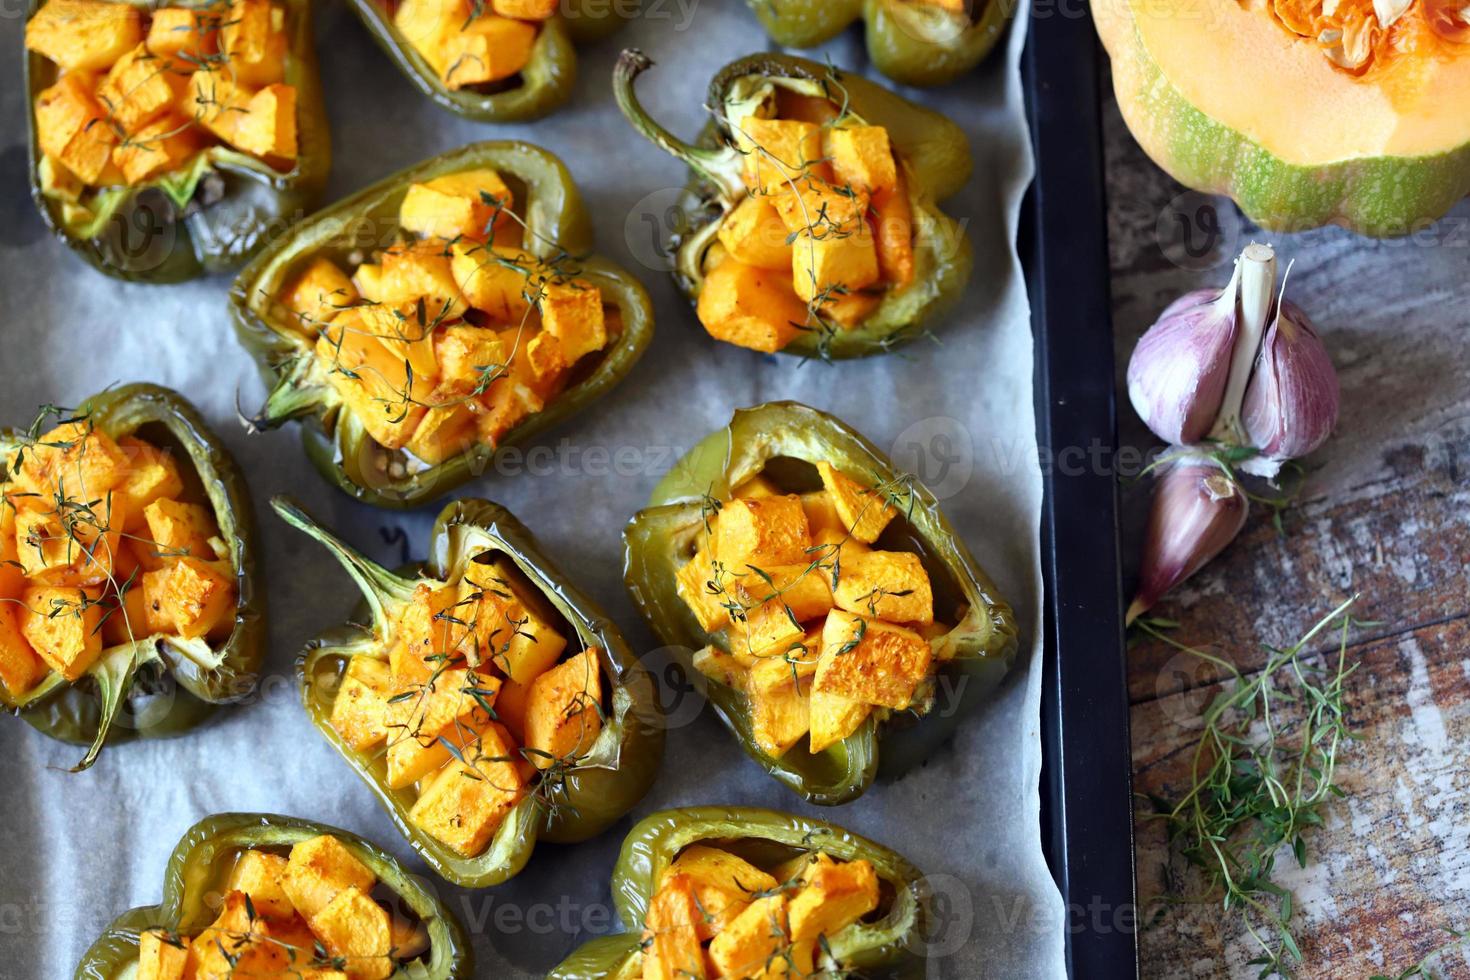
pixel 1291 404
pixel 1198 509
pixel 1177 374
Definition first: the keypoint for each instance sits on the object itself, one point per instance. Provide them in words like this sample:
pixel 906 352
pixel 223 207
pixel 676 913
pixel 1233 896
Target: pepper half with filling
pixel 486 702
pixel 168 142
pixel 491 60
pixel 827 600
pixel 260 895
pixel 741 892
pixel 436 318
pixel 915 42
pixel 815 228
pixel 127 598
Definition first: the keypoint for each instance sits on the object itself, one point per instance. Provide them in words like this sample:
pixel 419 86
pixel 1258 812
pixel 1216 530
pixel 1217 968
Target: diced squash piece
pixel 723 884
pixel 863 510
pixel 836 894
pixel 572 313
pixel 61 625
pixel 775 611
pixel 73 127
pixel 544 365
pixel 465 205
pixel 487 49
pixel 422 271
pixel 862 157
pixel 671 927
pixel 825 210
pixel 778 151
pixel 893 217
pixel 318 294
pixel 162 146
pixel 446 431
pixel 508 633
pixel 76 545
pixel 721 666
pixel 267 127
pixel 425 23
pixel 828 265
pixel 525 9
pixel 177 530
pixel 508 403
pixel 762 532
pixel 239 944
pixel 356 931
pixel 161 955
pixel 258 874
pixel 430 633
pixel 84 35
pixel 12 574
pixel 469 356
pixel 500 281
pixel 510 708
pixel 199 598
pixel 318 870
pixel 564 713
pixel 424 721
pixel 57 181
pixel 756 943
pixel 359 711
pixel 143 611
pixel 20 668
pixel 400 331
pixel 368 280
pixel 871 661
pixel 833 718
pixel 890 585
pixel 253 39
pixel 778 693
pixel 175 31
pixel 76 460
pixel 751 307
pixel 216 100
pixel 465 804
pixel 140 87
pixel 756 486
pixel 371 380
pixel 706 593
pixel 754 233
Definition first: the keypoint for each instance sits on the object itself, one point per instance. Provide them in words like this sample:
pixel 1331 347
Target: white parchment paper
pixel 77 850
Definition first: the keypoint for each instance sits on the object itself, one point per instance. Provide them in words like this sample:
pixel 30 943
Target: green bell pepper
pixel 933 151
pixel 910 41
pixel 542 87
pixel 885 948
pixel 556 224
pixel 784 440
pixel 210 217
pixel 91 711
pixel 581 801
pixel 199 867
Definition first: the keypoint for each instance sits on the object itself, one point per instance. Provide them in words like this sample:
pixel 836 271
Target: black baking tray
pixel 1087 798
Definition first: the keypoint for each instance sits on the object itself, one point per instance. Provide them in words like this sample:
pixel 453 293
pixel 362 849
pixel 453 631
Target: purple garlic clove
pixel 1178 371
pixel 1291 405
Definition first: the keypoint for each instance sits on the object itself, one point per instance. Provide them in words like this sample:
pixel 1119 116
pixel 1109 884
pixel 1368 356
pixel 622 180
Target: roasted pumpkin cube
pixel 162 146
pixel 862 157
pixel 671 932
pixel 510 708
pixel 359 711
pixel 754 233
pixel 544 365
pixel 72 127
pixel 762 532
pixel 825 210
pixel 372 381
pixel 367 279
pixel 57 181
pixel 254 42
pixel 756 486
pixel 319 293
pixel 258 874
pixel 425 721
pixel 893 217
pixel 469 357
pixel 487 49
pixel 216 100
pixel 564 712
pixel 572 313
pixel 827 265
pixel 864 511
pixel 890 585
pixel 180 31
pixel 140 87
pixel 431 632
pixel 199 598
pixel 356 931
pixel 835 895
pixel 425 23
pixel 868 660
pixel 779 151
pixel 447 430
pixel 267 127
pixel 143 611
pixel 465 804
pixel 465 205
pixel 20 668
pixel 62 627
pixel 750 307
pixel 406 337
pixel 723 884
pixel 78 546
pixel 238 944
pixel 177 530
pixel 76 461
pixel 778 691
pixel 800 592
pixel 161 955
pixel 721 666
pixel 509 633
pixel 84 35
pixel 318 870
pixel 498 280
pixel 525 9
pixel 706 591
pixel 756 943
pixel 508 402
pixel 833 718
pixel 12 574
pixel 422 270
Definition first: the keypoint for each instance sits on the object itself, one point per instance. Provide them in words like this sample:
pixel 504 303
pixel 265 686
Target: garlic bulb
pixel 1291 404
pixel 1198 509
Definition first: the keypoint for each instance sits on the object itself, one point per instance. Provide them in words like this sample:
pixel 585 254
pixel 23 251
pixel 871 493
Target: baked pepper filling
pixel 823 619
pixel 472 44
pixel 311 911
pixel 716 914
pixel 453 334
pixel 823 229
pixel 104 543
pixel 146 94
pixel 476 699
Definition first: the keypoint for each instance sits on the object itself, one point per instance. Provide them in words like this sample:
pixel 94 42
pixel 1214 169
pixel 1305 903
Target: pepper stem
pixel 114 676
pixel 294 396
pixel 710 163
pixel 379 586
pixel 1256 269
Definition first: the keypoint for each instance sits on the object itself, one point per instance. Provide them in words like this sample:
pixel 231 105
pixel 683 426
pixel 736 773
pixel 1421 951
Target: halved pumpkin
pixel 1305 112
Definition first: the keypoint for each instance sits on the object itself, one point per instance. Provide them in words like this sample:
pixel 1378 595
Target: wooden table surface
pixel 1385 513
